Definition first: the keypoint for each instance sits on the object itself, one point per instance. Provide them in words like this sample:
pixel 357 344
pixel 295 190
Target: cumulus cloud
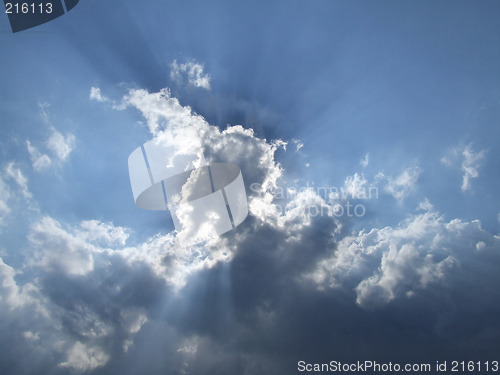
pixel 168 120
pixel 406 262
pixel 469 160
pixel 394 262
pixel 59 145
pixel 192 71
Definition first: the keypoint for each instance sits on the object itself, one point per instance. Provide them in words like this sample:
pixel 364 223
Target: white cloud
pixel 194 73
pixel 160 109
pixel 403 184
pixel 469 160
pixel 73 251
pixel 394 262
pixel 168 119
pixel 95 94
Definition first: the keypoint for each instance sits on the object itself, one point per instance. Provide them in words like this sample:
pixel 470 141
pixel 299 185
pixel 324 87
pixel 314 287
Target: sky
pixel 366 133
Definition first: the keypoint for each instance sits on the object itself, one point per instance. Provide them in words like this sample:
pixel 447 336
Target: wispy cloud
pixel 59 145
pixel 298 144
pixel 355 186
pixel 83 357
pixel 92 294
pixel 10 192
pixel 15 173
pixel 470 165
pixel 44 113
pixel 40 161
pixel 469 160
pixel 95 94
pixel 192 71
pixel 399 187
pixel 364 162
pixel 5 195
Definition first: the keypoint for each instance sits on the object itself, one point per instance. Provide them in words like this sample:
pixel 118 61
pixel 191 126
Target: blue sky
pixel 399 97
